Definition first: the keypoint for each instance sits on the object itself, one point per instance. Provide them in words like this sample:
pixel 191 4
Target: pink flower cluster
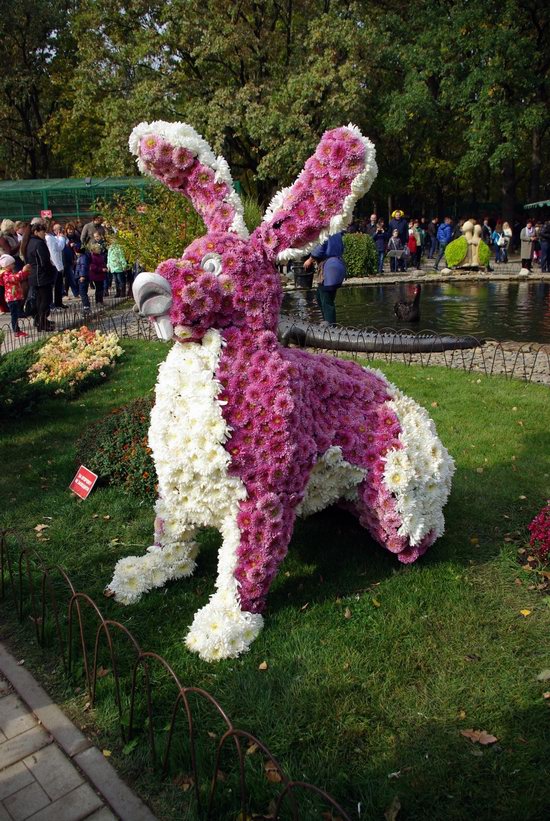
pixel 203 300
pixel 540 533
pixel 319 191
pixel 286 410
pixel 181 171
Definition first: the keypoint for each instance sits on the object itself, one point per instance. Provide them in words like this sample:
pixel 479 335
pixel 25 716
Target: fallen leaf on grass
pixel 461 715
pixel 184 782
pixel 40 528
pixel 393 810
pixel 86 707
pixel 252 748
pixel 544 676
pixel 107 518
pixel 106 753
pixel 263 666
pixel 347 613
pixel 272 773
pixel 479 736
pixel 472 657
pixel 525 613
pixel 375 603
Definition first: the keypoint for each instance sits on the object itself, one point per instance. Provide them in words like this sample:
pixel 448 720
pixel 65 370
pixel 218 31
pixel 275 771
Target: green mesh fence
pixel 24 199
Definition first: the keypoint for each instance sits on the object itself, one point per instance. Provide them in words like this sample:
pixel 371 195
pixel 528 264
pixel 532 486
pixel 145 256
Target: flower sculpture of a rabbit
pixel 246 434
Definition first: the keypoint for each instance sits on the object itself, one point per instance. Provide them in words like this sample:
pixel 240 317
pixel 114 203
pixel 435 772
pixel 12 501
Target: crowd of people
pixel 43 261
pixel 405 242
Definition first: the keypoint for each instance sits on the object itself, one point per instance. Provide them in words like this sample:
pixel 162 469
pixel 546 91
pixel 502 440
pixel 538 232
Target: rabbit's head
pixel 227 278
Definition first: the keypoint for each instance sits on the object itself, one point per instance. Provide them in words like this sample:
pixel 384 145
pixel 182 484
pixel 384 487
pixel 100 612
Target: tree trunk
pixel 536 166
pixel 508 190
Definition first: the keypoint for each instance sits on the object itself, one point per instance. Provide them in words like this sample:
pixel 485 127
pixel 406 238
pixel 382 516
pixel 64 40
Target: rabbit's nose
pixel 153 294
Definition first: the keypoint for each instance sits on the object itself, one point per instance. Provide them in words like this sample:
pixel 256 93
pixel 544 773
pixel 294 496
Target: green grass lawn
pixel 373 667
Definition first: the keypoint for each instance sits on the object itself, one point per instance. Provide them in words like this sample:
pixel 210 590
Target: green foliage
pixel 455 251
pixel 155 230
pixel 252 212
pixel 16 394
pixel 117 449
pixel 484 253
pixel 359 255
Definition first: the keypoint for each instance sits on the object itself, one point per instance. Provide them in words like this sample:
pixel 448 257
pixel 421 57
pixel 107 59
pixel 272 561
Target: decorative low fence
pixel 529 361
pixel 107 652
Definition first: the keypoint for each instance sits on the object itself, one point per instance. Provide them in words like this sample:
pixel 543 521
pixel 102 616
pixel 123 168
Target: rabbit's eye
pixel 212 263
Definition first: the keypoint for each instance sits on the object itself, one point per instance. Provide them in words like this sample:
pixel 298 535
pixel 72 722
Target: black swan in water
pixel 409 311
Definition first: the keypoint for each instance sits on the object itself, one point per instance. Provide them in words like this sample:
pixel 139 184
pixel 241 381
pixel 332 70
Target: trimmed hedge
pixel 455 251
pixel 117 449
pixel 360 255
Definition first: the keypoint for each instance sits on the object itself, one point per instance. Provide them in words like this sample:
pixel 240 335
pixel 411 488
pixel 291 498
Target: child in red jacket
pixel 12 281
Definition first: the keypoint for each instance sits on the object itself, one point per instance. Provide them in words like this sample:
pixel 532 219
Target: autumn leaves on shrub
pixel 116 448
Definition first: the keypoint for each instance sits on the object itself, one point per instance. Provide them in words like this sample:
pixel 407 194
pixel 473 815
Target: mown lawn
pixel 373 668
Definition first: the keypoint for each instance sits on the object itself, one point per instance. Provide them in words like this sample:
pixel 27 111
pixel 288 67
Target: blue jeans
pixel 380 262
pixel 544 248
pixel 120 280
pixel 442 247
pixel 433 247
pixel 15 314
pixel 83 283
pixel 326 295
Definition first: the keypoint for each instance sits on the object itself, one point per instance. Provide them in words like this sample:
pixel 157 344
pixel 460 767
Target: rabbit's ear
pixel 322 199
pixel 179 157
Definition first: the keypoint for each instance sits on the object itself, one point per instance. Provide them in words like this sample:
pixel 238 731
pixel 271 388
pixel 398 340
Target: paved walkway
pixel 49 771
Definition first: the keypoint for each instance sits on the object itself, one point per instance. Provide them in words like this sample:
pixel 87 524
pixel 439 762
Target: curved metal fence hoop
pixel 236 733
pixel 104 629
pixel 5 562
pixel 304 785
pixel 25 555
pixel 75 601
pixel 46 579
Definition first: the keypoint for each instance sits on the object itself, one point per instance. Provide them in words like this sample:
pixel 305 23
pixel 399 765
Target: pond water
pixel 517 311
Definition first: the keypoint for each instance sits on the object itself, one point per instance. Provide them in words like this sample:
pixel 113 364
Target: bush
pixel 117 449
pixel 484 253
pixel 16 393
pixel 360 255
pixel 456 251
pixel 155 230
pixel 540 533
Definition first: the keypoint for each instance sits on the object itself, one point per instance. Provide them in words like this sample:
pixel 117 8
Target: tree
pixel 35 38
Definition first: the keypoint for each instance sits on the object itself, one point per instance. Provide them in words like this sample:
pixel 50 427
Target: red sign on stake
pixel 83 482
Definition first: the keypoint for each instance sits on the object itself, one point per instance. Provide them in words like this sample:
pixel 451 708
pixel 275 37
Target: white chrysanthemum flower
pixel 419 473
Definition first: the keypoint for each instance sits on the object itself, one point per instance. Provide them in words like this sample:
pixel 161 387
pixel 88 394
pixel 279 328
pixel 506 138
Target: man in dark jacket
pixel 444 236
pixel 431 230
pixel 372 225
pixel 87 235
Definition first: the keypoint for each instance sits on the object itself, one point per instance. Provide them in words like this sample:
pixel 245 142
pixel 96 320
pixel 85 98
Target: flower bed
pixel 72 357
